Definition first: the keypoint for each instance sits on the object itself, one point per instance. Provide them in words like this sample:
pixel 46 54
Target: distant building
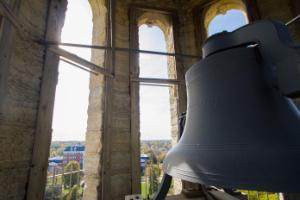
pixel 55 163
pixel 144 158
pixel 75 152
pixel 58 160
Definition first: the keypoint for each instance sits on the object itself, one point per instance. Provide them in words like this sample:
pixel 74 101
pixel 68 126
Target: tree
pixel 71 179
pixel 73 194
pixel 145 149
pixel 52 192
pixel 153 172
pixel 56 152
pixel 153 157
pixel 155 178
pixel 161 156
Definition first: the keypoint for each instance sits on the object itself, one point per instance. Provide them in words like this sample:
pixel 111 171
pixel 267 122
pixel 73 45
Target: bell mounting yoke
pixel 275 45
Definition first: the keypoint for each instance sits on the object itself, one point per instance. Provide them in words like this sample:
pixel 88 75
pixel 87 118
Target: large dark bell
pixel 240 132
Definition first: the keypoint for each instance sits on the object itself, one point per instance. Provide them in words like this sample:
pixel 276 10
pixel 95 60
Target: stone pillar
pixel 94 135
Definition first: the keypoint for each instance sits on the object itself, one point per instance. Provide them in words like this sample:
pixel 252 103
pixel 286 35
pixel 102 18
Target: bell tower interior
pixel 31 49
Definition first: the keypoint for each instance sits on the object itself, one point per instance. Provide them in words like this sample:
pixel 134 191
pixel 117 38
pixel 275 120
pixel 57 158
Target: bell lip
pixel 174 166
pixel 220 183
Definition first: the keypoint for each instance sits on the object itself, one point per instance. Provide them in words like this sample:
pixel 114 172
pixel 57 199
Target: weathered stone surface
pixel 94 135
pixel 92 187
pixel 21 66
pixel 119 186
pixel 13 181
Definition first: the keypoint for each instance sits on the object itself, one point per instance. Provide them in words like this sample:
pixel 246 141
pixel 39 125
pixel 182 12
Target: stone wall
pixel 21 70
pixel 112 162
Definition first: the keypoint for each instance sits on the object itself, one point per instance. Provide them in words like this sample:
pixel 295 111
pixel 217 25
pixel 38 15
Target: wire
pixel 292 20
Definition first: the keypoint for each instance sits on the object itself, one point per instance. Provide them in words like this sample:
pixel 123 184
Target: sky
pixel 232 20
pixel 71 100
pixel 72 90
pixel 155 115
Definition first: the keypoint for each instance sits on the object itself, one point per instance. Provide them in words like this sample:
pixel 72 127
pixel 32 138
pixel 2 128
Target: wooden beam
pixel 43 131
pixel 80 61
pixel 134 104
pixel 78 66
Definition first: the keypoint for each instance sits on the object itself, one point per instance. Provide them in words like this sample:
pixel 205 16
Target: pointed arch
pixel 164 22
pixel 222 9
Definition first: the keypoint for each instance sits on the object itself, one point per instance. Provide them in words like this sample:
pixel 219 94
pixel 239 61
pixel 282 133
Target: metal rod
pixel 76 65
pixel 118 49
pixel 292 20
pixel 156 80
pixel 66 173
pixel 155 84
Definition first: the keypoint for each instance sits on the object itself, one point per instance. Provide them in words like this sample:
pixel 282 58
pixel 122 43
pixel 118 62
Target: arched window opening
pixel 153 98
pixel 154 66
pixel 66 159
pixel 232 20
pixel 225 15
pixel 156 104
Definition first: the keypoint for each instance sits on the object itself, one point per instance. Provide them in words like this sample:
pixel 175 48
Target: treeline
pixel 57 147
pixel 156 149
